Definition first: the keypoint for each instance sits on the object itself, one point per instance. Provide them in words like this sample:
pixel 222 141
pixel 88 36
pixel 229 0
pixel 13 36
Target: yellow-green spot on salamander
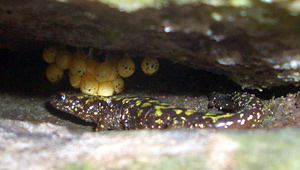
pixel 244 111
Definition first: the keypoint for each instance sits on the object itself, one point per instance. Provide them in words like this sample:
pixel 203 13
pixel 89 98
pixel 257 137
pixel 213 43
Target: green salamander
pixel 246 111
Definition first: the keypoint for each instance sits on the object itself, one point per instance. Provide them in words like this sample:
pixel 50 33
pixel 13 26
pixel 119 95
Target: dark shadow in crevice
pixel 22 72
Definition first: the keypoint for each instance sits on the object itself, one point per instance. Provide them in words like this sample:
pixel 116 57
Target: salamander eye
pixel 61 97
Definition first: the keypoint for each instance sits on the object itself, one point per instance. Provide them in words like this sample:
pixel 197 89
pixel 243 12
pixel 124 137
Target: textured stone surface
pixel 41 142
pixel 46 146
pixel 254 43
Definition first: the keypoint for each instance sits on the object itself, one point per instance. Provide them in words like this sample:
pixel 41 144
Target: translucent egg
pixel 75 81
pixel 49 54
pixel 118 85
pixel 103 71
pixel 126 67
pixel 105 89
pixel 150 65
pixel 114 73
pixel 77 66
pixel 53 73
pixel 91 65
pixel 89 85
pixel 63 59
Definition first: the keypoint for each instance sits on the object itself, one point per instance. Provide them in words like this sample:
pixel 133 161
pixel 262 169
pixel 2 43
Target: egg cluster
pixel 91 76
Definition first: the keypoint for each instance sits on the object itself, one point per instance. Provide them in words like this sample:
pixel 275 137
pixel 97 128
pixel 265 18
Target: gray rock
pixel 47 146
pixel 254 43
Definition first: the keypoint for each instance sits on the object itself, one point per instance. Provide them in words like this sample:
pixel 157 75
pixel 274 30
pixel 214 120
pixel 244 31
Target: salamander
pixel 243 111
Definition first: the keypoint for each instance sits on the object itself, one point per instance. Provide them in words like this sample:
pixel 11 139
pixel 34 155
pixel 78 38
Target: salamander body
pixel 246 111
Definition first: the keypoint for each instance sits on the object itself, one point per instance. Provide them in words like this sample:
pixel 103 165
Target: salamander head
pixel 67 102
pixel 79 105
pixel 221 101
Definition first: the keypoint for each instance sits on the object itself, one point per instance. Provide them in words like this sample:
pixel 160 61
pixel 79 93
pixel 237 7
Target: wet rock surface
pixel 40 137
pixel 46 146
pixel 254 43
pixel 253 46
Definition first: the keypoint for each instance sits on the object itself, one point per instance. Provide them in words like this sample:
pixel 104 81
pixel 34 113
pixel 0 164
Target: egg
pixel 49 54
pixel 91 65
pixel 150 65
pixel 75 81
pixel 114 73
pixel 63 59
pixel 77 66
pixel 89 85
pixel 103 71
pixel 105 89
pixel 118 85
pixel 53 73
pixel 126 67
